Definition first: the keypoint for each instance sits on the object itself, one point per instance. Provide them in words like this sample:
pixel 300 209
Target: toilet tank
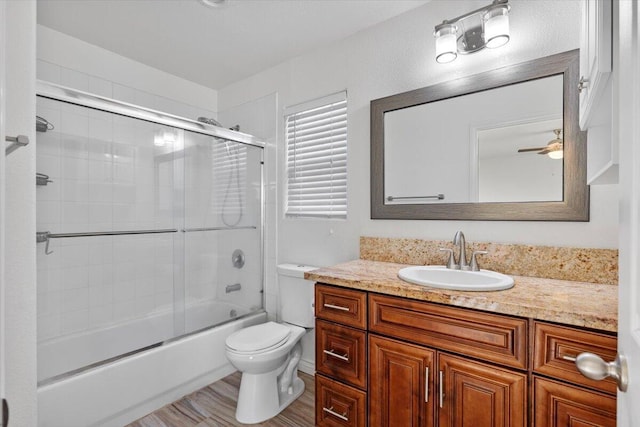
pixel 296 295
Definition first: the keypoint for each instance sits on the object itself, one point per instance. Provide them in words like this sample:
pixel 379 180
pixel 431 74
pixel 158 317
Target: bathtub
pixel 121 391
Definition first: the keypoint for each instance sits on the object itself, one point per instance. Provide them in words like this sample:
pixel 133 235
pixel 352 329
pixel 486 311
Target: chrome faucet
pixel 462 255
pixel 458 239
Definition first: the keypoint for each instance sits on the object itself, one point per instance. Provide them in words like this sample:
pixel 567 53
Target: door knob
pixel 592 366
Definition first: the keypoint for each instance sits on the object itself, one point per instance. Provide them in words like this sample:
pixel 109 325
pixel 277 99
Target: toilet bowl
pixel 268 354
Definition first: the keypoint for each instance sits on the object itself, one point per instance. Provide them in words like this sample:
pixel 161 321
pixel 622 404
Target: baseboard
pixel 307 366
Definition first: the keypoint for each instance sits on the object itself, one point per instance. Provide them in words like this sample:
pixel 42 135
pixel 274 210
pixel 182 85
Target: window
pixel 316 136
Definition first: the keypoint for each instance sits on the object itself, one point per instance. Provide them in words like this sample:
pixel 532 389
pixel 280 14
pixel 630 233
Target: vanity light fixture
pixel 473 31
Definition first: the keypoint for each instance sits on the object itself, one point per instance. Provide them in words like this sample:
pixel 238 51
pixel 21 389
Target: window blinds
pixel 316 136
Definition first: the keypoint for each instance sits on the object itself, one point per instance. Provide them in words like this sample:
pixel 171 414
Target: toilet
pixel 268 354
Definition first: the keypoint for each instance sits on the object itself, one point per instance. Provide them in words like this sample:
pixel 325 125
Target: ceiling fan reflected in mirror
pixel 554 148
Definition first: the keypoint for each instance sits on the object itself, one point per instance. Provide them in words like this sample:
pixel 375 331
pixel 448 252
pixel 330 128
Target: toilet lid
pixel 258 337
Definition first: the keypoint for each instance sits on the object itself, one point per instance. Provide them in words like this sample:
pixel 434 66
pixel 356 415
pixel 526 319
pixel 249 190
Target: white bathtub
pixel 120 392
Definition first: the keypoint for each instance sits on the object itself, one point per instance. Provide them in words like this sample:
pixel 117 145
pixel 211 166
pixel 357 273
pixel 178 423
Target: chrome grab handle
pixel 592 366
pixel 336 307
pixel 582 84
pixel 569 358
pixel 335 414
pixel 441 390
pixel 16 142
pixel 426 384
pixel 332 354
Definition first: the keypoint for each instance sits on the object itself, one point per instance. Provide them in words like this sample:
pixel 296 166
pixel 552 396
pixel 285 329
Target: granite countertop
pixel 589 305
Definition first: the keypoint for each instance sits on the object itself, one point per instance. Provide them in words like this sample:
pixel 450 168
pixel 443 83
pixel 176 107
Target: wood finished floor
pixel 215 406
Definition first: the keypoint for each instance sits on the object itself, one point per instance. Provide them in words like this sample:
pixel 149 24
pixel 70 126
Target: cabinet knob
pixel 592 366
pixel 582 84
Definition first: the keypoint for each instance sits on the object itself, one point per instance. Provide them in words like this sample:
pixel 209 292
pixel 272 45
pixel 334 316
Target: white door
pixel 2 204
pixel 627 119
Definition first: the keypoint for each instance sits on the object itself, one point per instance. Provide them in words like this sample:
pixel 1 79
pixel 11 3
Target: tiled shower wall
pixel 104 179
pixel 106 176
pixel 53 73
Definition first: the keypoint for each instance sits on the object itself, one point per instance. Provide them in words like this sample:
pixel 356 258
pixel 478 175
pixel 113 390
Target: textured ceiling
pixel 215 46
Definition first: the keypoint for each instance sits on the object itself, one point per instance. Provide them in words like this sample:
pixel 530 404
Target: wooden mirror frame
pixel 575 203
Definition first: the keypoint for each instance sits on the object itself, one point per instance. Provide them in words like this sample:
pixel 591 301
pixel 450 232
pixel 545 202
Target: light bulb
pixel 556 155
pixel 496 26
pixel 446 43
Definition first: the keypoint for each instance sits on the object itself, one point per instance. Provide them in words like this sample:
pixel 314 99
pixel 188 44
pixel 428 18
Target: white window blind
pixel 316 135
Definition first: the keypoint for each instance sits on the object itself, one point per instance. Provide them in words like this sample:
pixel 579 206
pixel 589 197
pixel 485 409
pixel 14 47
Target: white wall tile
pixel 100 86
pixel 74 321
pixel 47 71
pixel 74 79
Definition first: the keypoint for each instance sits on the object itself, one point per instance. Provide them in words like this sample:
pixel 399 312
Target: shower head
pixel 209 121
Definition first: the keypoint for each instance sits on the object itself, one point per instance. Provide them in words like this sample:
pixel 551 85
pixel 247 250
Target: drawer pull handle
pixel 336 307
pixel 569 358
pixel 426 384
pixel 337 356
pixel 335 414
pixel 441 390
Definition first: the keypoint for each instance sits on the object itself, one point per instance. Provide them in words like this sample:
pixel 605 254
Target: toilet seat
pixel 258 338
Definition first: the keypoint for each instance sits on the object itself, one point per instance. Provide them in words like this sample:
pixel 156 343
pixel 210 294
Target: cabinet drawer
pixel 491 337
pixel 553 344
pixel 339 305
pixel 560 405
pixel 339 405
pixel 341 353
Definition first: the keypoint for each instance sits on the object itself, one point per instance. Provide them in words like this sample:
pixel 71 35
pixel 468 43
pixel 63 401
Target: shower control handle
pixel 335 414
pixel 337 356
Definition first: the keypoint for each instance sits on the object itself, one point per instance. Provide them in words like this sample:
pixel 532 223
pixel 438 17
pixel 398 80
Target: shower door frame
pixel 85 99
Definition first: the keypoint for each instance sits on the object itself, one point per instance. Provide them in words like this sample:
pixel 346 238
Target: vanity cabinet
pixel 445 389
pixel 567 397
pixel 391 361
pixel 341 357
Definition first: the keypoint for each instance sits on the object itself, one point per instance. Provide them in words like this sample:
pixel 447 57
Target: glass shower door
pixel 223 230
pixel 106 226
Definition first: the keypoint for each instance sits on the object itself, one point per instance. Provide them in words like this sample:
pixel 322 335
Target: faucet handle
pixel 474 262
pixel 451 262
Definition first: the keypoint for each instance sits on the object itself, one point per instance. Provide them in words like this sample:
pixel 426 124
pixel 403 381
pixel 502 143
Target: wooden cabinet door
pixel 474 394
pixel 401 386
pixel 560 405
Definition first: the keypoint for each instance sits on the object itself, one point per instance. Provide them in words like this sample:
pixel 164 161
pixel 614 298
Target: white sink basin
pixel 439 276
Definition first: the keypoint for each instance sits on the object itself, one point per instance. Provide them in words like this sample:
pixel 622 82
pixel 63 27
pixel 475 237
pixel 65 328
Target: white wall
pixel 396 56
pixel 68 61
pixel 20 261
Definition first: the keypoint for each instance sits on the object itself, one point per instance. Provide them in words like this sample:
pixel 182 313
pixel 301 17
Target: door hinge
pixel 5 413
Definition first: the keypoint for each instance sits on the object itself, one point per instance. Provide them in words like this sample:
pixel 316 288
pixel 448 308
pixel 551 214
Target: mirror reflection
pixel 498 145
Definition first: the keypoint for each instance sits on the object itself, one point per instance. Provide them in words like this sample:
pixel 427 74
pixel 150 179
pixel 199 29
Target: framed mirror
pixel 501 145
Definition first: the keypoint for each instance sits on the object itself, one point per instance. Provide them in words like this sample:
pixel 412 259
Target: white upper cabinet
pixel 595 59
pixel 597 88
